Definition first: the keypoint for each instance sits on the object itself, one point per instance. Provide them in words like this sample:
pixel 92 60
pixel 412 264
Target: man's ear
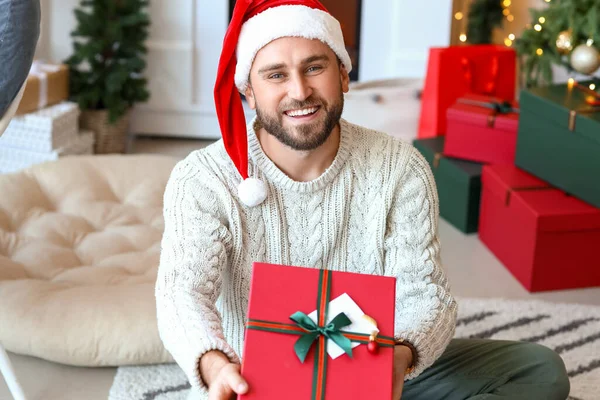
pixel 249 93
pixel 345 78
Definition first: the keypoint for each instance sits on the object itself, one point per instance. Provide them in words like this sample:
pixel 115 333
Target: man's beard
pixel 307 136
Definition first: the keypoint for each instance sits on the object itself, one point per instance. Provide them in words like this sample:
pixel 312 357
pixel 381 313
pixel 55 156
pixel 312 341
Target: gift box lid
pixel 555 210
pixel 555 104
pixel 460 170
pixel 479 110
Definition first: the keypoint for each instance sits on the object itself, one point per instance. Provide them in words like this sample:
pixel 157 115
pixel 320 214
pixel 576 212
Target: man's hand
pixel 222 377
pixel 402 360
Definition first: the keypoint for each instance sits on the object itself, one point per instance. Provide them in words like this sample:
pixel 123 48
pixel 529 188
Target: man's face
pixel 297 87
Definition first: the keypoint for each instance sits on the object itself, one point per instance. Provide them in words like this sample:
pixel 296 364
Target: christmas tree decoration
pixel 549 40
pixel 564 42
pixel 585 59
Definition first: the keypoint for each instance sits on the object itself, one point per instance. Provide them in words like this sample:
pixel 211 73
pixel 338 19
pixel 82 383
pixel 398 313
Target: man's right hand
pixel 222 377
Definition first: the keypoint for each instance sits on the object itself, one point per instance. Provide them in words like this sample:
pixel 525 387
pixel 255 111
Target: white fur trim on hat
pixel 252 192
pixel 286 21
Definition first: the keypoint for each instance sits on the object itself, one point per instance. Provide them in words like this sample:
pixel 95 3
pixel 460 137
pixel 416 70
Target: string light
pixel 592 86
pixel 542 20
pixel 506 3
pixel 547 1
pixel 508 42
pixel 510 18
pixel 511 36
pixel 590 42
pixel 462 37
pixel 537 27
pixel 539 52
pixel 458 16
pixel 571 83
pixel 506 12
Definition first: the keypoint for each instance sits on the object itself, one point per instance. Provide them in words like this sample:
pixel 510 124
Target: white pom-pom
pixel 252 192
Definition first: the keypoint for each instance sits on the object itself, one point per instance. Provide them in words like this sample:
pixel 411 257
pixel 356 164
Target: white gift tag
pixel 345 304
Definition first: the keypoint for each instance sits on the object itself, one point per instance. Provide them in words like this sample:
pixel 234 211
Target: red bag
pixel 547 239
pixel 452 72
pixel 482 129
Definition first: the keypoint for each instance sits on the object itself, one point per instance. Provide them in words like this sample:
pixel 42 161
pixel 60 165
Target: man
pixel 301 186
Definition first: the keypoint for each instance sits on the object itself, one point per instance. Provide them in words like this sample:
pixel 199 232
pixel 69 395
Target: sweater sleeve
pixel 425 309
pixel 194 254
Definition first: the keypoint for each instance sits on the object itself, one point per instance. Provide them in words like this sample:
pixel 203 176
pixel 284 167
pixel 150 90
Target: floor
pixel 473 272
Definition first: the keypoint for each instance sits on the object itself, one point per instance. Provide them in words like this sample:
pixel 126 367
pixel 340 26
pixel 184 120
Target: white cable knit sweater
pixel 374 211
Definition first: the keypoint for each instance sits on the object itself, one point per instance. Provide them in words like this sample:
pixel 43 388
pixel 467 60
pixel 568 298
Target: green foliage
pixel 581 16
pixel 483 17
pixel 109 55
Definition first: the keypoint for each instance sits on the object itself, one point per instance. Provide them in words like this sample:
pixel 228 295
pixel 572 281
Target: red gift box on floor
pixel 454 71
pixel 547 239
pixel 271 364
pixel 482 129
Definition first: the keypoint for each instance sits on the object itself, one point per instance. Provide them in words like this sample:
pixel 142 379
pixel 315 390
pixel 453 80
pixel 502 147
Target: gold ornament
pixel 564 42
pixel 585 59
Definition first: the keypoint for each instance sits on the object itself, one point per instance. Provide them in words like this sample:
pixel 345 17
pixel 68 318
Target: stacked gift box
pixel 525 175
pixel 46 126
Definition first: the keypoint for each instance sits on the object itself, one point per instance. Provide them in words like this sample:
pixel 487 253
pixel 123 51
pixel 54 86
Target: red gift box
pixel 547 239
pixel 270 364
pixel 454 71
pixel 482 129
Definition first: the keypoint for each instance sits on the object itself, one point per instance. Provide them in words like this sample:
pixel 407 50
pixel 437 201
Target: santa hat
pixel 254 24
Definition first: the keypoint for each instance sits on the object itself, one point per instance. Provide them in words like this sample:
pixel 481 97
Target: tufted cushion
pixel 79 251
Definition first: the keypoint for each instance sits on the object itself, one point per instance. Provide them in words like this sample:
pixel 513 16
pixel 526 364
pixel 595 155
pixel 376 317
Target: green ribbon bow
pixel 313 331
pixel 499 107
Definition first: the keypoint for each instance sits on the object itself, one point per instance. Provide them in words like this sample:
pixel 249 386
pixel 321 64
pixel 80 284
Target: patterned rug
pixel 573 331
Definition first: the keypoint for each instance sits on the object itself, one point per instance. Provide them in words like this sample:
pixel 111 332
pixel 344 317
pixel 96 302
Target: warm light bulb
pixel 511 36
pixel 590 42
pixel 463 37
pixel 537 27
pixel 570 83
pixel 508 42
pixel 510 18
pixel 506 11
pixel 592 86
pixel 542 20
pixel 547 1
pixel 458 15
pixel 539 52
pixel 506 3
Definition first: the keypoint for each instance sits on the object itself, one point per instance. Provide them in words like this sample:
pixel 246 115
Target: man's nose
pixel 299 88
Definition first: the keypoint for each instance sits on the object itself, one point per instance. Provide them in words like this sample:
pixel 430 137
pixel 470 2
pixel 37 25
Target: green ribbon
pixel 499 107
pixel 313 331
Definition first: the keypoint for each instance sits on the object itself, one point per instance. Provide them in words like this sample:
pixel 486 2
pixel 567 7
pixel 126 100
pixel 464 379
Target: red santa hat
pixel 254 24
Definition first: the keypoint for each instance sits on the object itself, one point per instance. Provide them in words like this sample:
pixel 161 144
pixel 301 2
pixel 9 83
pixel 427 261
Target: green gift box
pixel 458 183
pixel 559 139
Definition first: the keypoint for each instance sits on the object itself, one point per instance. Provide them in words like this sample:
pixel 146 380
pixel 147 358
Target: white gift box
pixel 44 130
pixel 14 159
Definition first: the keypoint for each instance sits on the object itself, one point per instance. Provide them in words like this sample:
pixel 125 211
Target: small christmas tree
pixel 484 16
pixel 565 33
pixel 108 55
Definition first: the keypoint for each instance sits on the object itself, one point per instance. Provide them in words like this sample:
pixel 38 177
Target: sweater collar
pixel 280 179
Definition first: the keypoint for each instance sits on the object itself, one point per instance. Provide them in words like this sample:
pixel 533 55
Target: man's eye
pixel 314 68
pixel 275 76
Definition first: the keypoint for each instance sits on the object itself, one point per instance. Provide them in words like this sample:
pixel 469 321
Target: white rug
pixel 571 330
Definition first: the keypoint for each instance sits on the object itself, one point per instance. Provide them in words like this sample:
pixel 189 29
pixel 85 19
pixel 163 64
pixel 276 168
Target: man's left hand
pixel 402 360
